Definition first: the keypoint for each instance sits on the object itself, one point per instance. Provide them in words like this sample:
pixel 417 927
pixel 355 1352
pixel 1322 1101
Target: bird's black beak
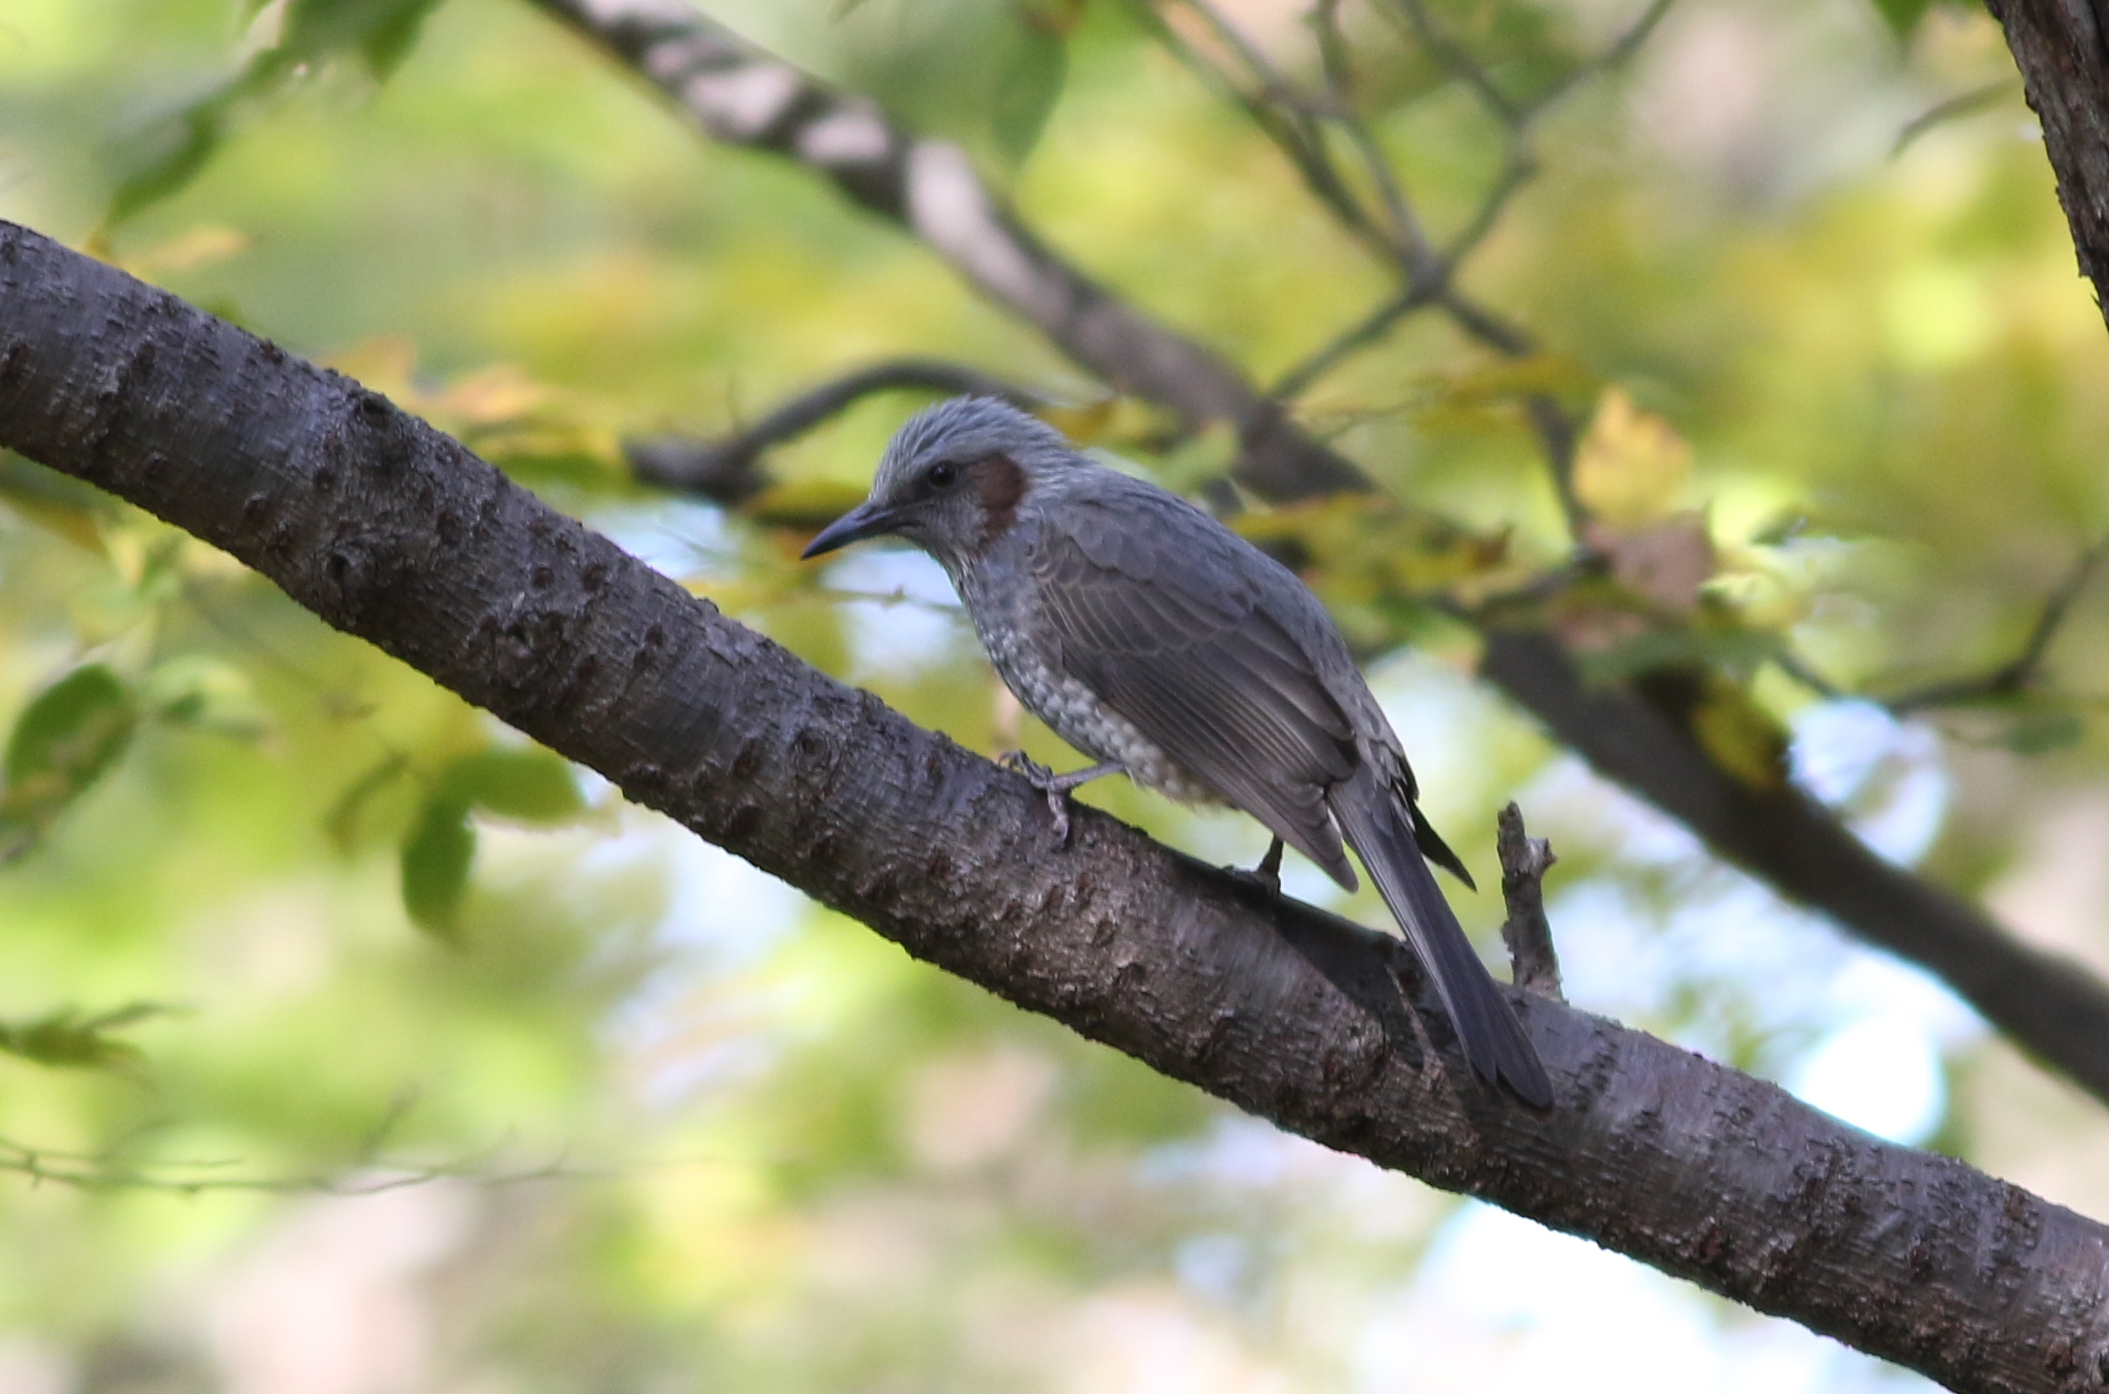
pixel 865 520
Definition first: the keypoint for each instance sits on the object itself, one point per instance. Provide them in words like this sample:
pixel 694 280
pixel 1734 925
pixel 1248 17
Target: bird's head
pixel 953 478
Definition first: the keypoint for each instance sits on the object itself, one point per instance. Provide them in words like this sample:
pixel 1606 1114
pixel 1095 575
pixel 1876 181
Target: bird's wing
pixel 1163 620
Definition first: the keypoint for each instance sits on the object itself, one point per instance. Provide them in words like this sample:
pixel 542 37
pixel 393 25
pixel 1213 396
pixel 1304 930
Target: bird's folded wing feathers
pixel 1182 648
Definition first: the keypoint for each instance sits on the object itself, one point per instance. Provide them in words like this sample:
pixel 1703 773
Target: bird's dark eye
pixel 941 475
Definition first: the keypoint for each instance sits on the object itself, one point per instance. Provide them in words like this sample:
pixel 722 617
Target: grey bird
pixel 1158 642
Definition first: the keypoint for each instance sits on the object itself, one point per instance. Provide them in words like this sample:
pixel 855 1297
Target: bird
pixel 1161 644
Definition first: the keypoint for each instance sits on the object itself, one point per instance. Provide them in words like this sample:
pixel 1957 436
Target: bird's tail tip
pixel 1493 1038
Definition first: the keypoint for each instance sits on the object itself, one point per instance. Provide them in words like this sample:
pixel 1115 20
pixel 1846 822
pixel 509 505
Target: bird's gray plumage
pixel 1148 635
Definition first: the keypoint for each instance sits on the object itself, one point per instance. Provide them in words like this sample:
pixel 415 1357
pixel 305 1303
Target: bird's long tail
pixel 1378 826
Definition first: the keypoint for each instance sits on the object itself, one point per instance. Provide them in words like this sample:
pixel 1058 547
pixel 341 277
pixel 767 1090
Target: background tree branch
pixel 2045 1003
pixel 392 532
pixel 728 470
pixel 745 98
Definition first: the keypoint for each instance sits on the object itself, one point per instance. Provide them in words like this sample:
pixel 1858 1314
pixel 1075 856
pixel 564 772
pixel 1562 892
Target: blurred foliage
pixel 64 1037
pixel 64 741
pixel 1797 272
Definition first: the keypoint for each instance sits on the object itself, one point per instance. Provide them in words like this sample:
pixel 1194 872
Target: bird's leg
pixel 1268 874
pixel 1270 868
pixel 1055 786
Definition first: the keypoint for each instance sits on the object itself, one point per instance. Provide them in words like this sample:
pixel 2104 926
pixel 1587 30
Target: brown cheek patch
pixel 999 482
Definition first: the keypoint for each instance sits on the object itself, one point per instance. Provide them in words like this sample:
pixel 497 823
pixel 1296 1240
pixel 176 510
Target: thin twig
pixel 1366 331
pixel 1795 667
pixel 1560 438
pixel 1409 237
pixel 97 1172
pixel 1454 57
pixel 1437 275
pixel 1963 104
pixel 1517 169
pixel 1533 964
pixel 1483 324
pixel 892 599
pixel 1282 114
pixel 1613 55
pixel 724 470
pixel 2019 673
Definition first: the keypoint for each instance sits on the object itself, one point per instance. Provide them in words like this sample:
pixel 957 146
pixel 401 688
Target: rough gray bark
pixel 1528 935
pixel 2047 1004
pixel 2062 49
pixel 390 531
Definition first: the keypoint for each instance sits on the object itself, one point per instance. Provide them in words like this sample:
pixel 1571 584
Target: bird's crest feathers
pixel 963 430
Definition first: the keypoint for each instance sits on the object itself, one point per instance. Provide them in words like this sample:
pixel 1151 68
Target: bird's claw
pixel 1058 805
pixel 1018 762
pixel 1267 876
pixel 1048 783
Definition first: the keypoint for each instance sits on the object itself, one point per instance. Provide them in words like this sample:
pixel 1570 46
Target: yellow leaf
pixel 1107 421
pixel 1739 737
pixel 201 246
pixel 806 505
pixel 1498 380
pixel 1631 465
pixel 1449 560
pixel 79 526
pixel 384 364
pixel 53 501
pixel 501 392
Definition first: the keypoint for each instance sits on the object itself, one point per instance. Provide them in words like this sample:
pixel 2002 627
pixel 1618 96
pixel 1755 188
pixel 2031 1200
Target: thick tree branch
pixel 2052 1007
pixel 395 533
pixel 2062 49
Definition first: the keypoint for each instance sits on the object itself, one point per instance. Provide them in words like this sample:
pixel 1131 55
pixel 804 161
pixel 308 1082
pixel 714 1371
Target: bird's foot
pixel 1047 782
pixel 1267 875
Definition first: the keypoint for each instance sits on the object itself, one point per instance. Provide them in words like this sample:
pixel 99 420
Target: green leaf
pixel 436 859
pixel 1732 647
pixel 167 155
pixel 64 1040
pixel 381 32
pixel 65 740
pixel 527 784
pixel 2040 732
pixel 207 694
pixel 392 34
pixel 55 501
pixel 1902 16
pixel 1027 88
pixel 342 821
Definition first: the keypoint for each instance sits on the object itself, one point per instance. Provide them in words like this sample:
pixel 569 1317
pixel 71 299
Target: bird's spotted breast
pixel 1070 709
